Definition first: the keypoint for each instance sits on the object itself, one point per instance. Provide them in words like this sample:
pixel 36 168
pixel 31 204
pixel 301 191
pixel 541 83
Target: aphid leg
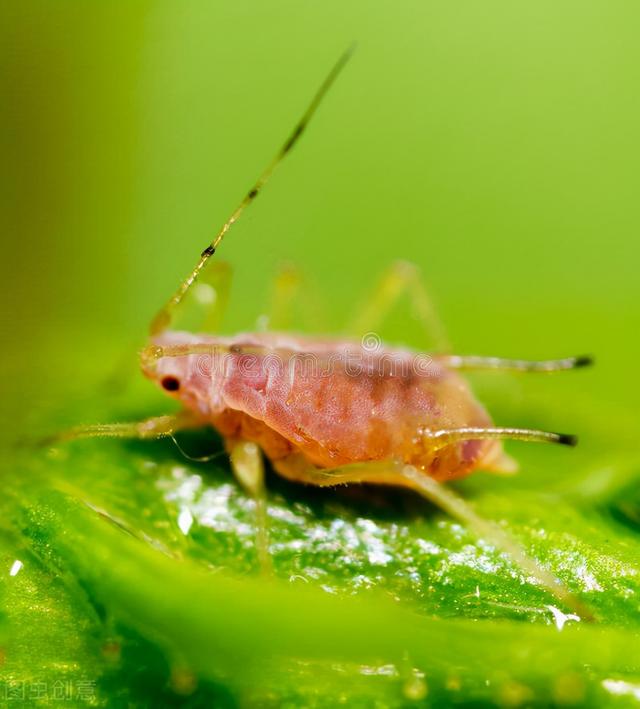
pixel 399 474
pixel 156 427
pixel 455 505
pixel 248 467
pixel 291 293
pixel 514 365
pixel 402 277
pixel 213 292
pixel 284 291
pixel 204 308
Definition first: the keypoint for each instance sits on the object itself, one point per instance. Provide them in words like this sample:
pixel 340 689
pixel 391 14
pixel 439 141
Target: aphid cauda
pixel 330 411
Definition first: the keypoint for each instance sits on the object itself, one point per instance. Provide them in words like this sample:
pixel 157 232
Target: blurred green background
pixel 495 144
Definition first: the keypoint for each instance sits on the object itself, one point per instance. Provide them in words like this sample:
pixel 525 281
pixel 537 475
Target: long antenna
pixel 163 319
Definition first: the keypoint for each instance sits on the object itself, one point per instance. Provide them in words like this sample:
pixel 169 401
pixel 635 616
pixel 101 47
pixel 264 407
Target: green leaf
pixel 138 581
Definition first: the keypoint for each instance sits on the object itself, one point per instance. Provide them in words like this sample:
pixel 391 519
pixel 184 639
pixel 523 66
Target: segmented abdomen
pixel 341 415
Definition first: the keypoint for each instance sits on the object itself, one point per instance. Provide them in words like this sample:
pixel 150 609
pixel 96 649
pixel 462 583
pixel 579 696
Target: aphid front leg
pixel 248 467
pixel 156 427
pixel 402 277
pixel 207 302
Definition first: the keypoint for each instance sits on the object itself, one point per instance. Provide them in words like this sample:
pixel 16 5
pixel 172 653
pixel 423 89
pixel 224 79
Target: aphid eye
pixel 170 383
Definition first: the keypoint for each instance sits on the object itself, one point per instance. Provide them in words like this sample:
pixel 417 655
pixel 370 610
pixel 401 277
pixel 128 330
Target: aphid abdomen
pixel 333 420
pixel 339 415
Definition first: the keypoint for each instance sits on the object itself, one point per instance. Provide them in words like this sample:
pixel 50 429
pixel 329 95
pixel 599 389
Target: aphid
pixel 331 411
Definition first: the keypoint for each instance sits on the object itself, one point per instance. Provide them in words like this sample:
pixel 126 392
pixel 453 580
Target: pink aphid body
pixel 324 410
pixel 333 403
pixel 335 411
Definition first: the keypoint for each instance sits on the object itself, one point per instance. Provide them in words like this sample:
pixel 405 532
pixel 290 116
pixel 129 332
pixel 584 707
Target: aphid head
pixel 186 377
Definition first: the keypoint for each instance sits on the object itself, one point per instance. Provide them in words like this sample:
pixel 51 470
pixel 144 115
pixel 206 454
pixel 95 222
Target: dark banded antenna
pixel 163 319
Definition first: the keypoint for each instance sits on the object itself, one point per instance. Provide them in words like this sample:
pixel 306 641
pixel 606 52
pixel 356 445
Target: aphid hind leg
pixel 402 277
pixel 248 468
pixel 398 474
pixel 446 499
